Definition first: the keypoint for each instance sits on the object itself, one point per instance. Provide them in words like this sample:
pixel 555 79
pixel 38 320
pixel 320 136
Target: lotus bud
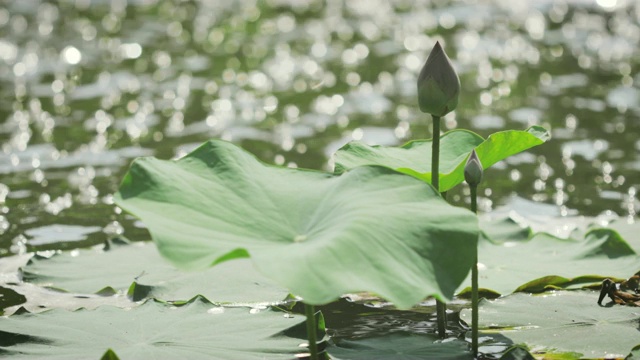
pixel 438 84
pixel 473 170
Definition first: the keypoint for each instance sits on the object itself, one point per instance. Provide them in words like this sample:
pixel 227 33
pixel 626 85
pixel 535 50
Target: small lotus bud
pixel 438 84
pixel 473 170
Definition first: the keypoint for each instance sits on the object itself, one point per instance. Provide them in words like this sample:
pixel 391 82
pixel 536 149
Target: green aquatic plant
pixel 413 157
pixel 564 324
pixel 473 177
pixel 312 336
pixel 154 330
pixel 545 262
pixel 142 273
pixel 438 89
pixel 317 234
pixel 446 166
pixel 368 227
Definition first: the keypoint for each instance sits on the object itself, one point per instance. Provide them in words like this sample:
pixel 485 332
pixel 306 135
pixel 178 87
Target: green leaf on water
pixel 140 268
pixel 561 322
pixel 546 262
pixel 414 158
pixel 198 330
pixel 317 234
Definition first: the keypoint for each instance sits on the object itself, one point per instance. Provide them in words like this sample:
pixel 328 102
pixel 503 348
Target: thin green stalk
pixel 474 283
pixel 441 308
pixel 435 154
pixel 474 199
pixel 311 331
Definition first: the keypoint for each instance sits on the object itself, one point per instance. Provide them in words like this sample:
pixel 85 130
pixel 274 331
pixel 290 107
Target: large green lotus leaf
pixel 414 158
pixel 562 322
pixel 400 346
pixel 317 234
pixel 547 262
pixel 91 271
pixel 153 330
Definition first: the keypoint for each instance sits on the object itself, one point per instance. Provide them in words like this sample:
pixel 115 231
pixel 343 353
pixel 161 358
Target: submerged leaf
pixel 414 158
pixel 317 234
pixel 198 330
pixel 566 321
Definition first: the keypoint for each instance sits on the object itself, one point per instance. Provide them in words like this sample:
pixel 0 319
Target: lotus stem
pixel 441 308
pixel 473 176
pixel 435 154
pixel 310 312
pixel 474 282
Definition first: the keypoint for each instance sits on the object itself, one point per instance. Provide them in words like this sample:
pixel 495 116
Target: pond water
pixel 86 86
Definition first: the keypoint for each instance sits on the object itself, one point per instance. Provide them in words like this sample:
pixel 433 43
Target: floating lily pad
pixel 414 158
pixel 198 330
pixel 39 299
pixel 400 346
pixel 562 322
pixel 317 234
pixel 34 298
pixel 547 262
pixel 91 271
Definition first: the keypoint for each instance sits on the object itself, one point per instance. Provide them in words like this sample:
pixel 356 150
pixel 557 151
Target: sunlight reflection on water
pixel 87 86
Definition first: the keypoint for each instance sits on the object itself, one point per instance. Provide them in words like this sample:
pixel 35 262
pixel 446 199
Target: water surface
pixel 86 86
